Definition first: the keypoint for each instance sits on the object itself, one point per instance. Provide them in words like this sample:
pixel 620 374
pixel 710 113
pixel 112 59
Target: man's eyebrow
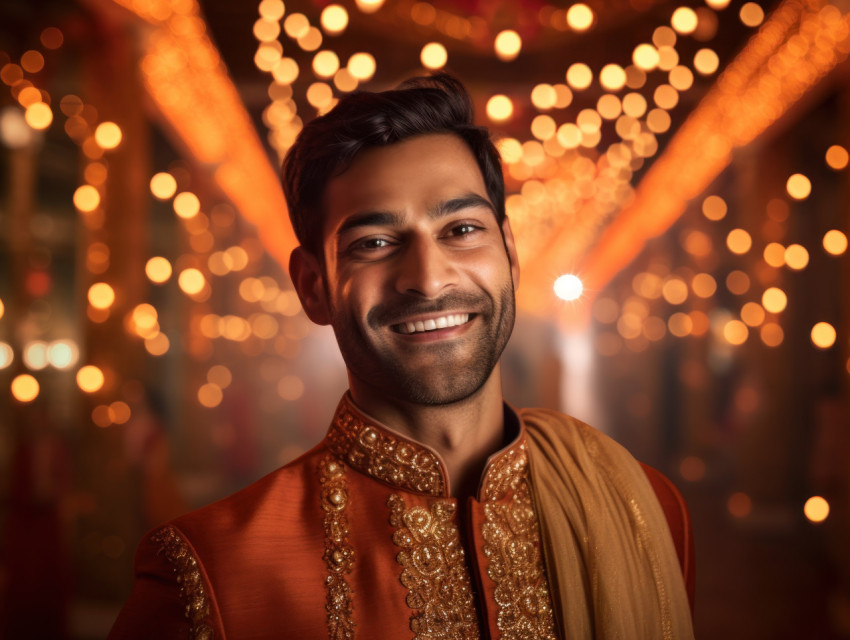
pixel 453 205
pixel 369 219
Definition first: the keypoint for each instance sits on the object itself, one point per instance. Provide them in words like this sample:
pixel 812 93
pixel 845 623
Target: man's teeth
pixel 433 324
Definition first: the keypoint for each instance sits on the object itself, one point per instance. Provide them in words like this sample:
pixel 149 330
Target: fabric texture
pixel 611 561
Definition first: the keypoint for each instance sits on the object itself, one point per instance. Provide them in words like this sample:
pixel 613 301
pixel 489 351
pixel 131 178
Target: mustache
pixel 395 312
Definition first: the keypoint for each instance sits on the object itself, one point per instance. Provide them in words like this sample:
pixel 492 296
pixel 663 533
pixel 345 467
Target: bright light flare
pixel 569 287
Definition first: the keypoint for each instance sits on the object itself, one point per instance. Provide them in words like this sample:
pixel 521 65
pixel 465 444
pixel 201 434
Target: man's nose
pixel 425 269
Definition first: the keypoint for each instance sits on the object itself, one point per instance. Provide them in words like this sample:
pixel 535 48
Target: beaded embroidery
pixel 339 555
pixel 383 456
pixel 512 546
pixel 193 592
pixel 433 571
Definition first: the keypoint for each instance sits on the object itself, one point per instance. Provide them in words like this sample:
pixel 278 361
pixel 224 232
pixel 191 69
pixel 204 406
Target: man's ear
pixel 510 247
pixel 308 279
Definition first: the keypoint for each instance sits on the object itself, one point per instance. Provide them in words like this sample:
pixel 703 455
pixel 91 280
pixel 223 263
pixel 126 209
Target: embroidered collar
pixel 376 450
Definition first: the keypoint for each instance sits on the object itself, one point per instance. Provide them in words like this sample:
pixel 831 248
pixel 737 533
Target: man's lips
pixel 445 321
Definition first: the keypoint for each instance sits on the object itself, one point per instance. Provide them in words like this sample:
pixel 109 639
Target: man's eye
pixel 463 229
pixel 369 244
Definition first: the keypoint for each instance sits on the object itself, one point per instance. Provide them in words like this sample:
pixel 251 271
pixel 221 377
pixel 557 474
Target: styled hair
pixel 328 145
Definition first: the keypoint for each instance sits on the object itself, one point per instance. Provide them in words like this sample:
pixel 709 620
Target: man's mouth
pixel 432 324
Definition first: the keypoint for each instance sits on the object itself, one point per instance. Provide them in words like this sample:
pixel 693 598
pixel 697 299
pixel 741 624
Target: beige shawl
pixel 612 567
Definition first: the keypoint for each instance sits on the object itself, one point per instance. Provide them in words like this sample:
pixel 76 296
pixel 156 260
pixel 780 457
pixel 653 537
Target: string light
pixel 434 56
pixel 507 45
pixel 499 108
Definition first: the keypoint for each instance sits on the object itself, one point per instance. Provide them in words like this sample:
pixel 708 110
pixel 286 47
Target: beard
pixel 437 373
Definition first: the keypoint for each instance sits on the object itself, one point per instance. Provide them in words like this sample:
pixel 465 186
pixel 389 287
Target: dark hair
pixel 328 145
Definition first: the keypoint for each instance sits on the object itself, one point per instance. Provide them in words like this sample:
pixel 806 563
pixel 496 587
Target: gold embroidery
pixel 512 546
pixel 433 571
pixel 339 555
pixel 383 456
pixel 192 590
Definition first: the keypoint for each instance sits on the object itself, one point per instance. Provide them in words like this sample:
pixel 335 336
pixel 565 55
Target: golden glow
pixel 772 334
pixel 499 108
pixel 101 295
pixel 680 324
pixel 144 319
pixel 108 135
pixel 774 254
pixel 823 335
pixel 544 96
pixel 38 115
pixel 158 344
pixel 435 56
pixel 334 19
pixel 774 300
pixel 675 291
pixel 666 96
pixel 86 198
pixel 609 106
pixel 706 62
pixel 645 57
pixel 220 375
pixel 658 120
pixel 296 25
pixel 35 355
pixel 543 127
pixel 714 208
pixel 344 81
pixel 704 285
pixel 568 287
pixel 361 66
pixel 2 308
pixel 563 96
pixel 32 61
pixel 325 63
pixel 119 412
pixel 52 38
pixel 684 20
pixel 266 30
pixel 612 77
pixel 186 205
pixel 158 269
pixel 816 509
pixel 271 9
pixel 569 135
pixel 580 17
pixel 837 157
pixel 798 186
pixel 311 40
pixel 507 45
pixel 369 6
pixel 718 5
pixel 579 76
pixel 735 332
pixel 634 105
pixel 191 281
pixel 738 282
pixel 90 378
pixel 681 78
pixel 751 14
pixel 835 242
pixel 320 95
pixel 510 150
pixel 25 388
pixel 286 71
pixel 163 185
pixel 290 387
pixel 28 96
pixel 739 241
pixel 752 314
pixel 100 416
pixel 210 395
pixel 238 257
pixel 796 257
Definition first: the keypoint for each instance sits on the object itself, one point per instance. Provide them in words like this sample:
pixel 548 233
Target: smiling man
pixel 432 509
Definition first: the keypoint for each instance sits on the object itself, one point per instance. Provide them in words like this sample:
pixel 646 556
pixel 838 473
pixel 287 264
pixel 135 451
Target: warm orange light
pixel 774 300
pixel 816 509
pixel 435 56
pixel 38 115
pixel 634 105
pixel 325 63
pixel 718 5
pixel 774 254
pixel 751 14
pixel 752 314
pixel 738 282
pixel 823 335
pixel 369 6
pixel 286 71
pixel 665 96
pixel 90 378
pixel 835 242
pixel 739 241
pixel 714 208
pixel 271 9
pixel 579 76
pixel 837 157
pixel 220 375
pixel 290 388
pixel 499 108
pixel 510 150
pixel 311 40
pixel 319 95
pixel 684 20
pixel 680 324
pixel 704 285
pixel 798 186
pixel 119 412
pixel 32 61
pixel 361 66
pixel 266 30
pixel 210 395
pixel 612 77
pixel 163 185
pixel 186 205
pixel 580 17
pixel 296 25
pixel 706 62
pixel 86 198
pixel 645 57
pixel 772 334
pixel 675 291
pixel 101 295
pixel 507 45
pixel 191 281
pixel 107 135
pixel 543 127
pixel 157 344
pixel 609 106
pixel 25 388
pixel 334 19
pixel 735 332
pixel 158 269
pixel 796 257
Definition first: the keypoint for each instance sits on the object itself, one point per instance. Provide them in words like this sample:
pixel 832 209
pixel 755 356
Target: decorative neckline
pixel 386 455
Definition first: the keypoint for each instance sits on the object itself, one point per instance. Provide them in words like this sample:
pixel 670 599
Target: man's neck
pixel 465 433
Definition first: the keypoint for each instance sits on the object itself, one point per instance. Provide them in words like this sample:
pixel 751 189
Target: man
pixel 431 509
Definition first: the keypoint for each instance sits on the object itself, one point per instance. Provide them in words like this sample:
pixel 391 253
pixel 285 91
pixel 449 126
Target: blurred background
pixel 678 185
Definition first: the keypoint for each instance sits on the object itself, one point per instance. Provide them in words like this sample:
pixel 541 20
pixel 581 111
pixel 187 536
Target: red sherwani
pixel 359 538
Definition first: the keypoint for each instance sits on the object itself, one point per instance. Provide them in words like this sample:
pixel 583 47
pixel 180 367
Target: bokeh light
pixel 507 45
pixel 739 241
pixel 823 335
pixel 25 388
pixel 158 269
pixel 163 185
pixel 499 108
pixel 816 509
pixel 684 20
pixel 835 242
pixel 101 295
pixel 796 257
pixel 191 281
pixel 86 198
pixel 774 300
pixel 435 56
pixel 90 378
pixel 334 19
pixel 798 186
pixel 186 205
pixel 580 17
pixel 714 208
pixel 568 287
pixel 579 76
pixel 108 135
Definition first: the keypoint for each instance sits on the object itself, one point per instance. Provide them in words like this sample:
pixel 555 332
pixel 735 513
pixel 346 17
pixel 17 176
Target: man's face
pixel 419 283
